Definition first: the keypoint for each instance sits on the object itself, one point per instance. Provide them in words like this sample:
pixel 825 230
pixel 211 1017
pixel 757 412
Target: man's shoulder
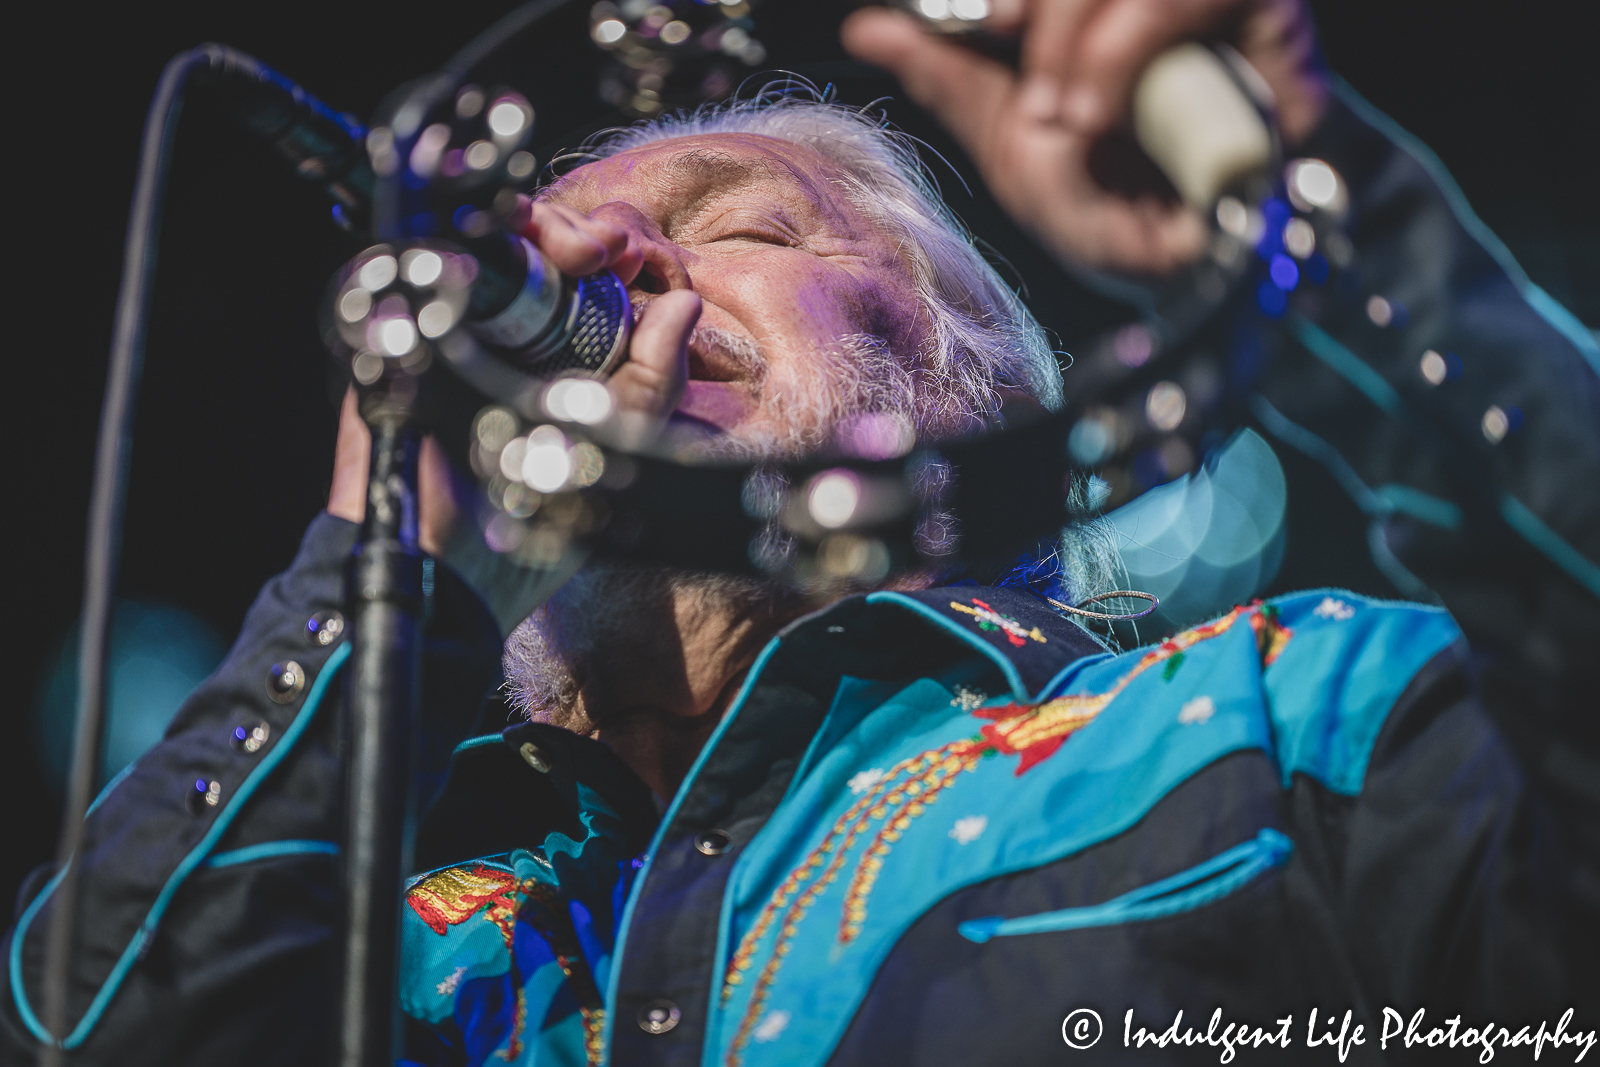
pixel 1308 678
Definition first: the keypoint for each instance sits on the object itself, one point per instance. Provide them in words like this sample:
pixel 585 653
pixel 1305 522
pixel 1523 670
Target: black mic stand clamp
pixel 385 310
pixel 384 595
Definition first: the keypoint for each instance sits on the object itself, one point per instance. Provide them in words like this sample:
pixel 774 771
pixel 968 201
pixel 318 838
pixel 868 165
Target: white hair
pixel 982 337
pixel 982 340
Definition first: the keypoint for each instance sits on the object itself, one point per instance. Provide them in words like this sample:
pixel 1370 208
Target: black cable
pixel 108 494
pixel 107 500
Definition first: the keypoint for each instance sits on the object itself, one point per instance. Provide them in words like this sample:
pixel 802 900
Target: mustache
pixel 713 341
pixel 739 350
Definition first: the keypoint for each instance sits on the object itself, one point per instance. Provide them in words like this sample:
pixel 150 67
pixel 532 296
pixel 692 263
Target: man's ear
pixel 1017 408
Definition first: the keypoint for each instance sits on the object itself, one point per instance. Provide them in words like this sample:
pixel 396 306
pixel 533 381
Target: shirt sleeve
pixel 209 886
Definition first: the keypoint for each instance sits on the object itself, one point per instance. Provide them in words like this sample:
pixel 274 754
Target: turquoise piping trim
pixel 1425 507
pixel 1371 504
pixel 1185 891
pixel 1370 382
pixel 477 742
pixel 19 995
pixel 1391 498
pixel 1009 669
pixel 116 780
pixel 1055 685
pixel 1546 540
pixel 1542 303
pixel 1303 440
pixel 194 859
pixel 1347 365
pixel 615 977
pixel 271 850
pixel 24 1009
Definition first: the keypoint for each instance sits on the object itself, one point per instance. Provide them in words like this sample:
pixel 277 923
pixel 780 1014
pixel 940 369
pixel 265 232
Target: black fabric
pixel 1462 878
pixel 941 999
pixel 494 802
pixel 1036 661
pixel 671 948
pixel 1431 888
pixel 242 952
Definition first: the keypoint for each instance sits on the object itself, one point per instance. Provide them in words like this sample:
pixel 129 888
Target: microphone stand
pixel 384 596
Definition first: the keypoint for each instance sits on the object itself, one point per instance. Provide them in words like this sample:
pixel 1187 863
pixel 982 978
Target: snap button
pixel 712 842
pixel 285 680
pixel 204 795
pixel 534 758
pixel 659 1016
pixel 324 628
pixel 249 739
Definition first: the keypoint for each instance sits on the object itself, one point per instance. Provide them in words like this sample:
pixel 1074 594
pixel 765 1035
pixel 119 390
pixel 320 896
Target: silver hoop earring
pixel 1113 595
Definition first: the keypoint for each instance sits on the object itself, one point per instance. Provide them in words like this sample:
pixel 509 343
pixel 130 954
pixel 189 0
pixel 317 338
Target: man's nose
pixel 652 263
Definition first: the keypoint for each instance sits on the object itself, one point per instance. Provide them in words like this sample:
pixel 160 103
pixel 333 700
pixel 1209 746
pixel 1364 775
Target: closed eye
pixel 771 237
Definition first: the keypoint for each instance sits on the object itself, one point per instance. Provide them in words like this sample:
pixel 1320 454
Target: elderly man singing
pixel 924 823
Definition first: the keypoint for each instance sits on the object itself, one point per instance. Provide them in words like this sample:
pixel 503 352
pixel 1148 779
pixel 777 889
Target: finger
pixel 1050 38
pixel 574 242
pixel 437 494
pixel 1006 16
pixel 652 380
pixel 347 496
pixel 646 244
pixel 1114 48
pixel 965 90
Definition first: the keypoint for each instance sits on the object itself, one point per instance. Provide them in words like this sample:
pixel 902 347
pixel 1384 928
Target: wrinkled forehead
pixel 676 172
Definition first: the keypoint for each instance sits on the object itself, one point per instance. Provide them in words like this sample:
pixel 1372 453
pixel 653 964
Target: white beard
pixel 611 617
pixel 607 607
pixel 804 407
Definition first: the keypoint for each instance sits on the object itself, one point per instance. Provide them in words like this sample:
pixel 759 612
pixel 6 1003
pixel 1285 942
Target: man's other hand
pixel 649 384
pixel 1050 139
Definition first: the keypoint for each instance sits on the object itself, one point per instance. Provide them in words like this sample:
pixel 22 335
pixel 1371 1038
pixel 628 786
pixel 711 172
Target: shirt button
pixel 204 796
pixel 712 842
pixel 249 739
pixel 659 1016
pixel 324 628
pixel 285 680
pixel 533 757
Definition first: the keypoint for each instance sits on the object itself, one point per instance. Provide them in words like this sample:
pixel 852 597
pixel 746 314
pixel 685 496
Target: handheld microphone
pixel 528 315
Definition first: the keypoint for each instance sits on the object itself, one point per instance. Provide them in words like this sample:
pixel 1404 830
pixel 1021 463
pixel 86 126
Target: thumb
pixel 651 382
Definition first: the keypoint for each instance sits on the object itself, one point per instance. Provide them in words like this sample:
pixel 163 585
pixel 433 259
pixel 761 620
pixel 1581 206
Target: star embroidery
pixel 966 830
pixel 1331 608
pixel 448 986
pixel 773 1025
pixel 967 699
pixel 865 780
pixel 1198 710
pixel 990 620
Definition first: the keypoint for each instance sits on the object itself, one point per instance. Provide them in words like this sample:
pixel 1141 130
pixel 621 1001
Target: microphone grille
pixel 600 331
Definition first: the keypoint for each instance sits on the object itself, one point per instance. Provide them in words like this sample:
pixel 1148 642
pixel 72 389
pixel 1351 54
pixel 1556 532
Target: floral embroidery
pixel 773 1025
pixel 554 923
pixel 862 781
pixel 1032 731
pixel 1330 608
pixel 966 699
pixel 1272 637
pixel 967 830
pixel 448 986
pixel 456 894
pixel 990 620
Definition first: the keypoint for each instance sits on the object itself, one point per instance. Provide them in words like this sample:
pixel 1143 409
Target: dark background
pixel 236 420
